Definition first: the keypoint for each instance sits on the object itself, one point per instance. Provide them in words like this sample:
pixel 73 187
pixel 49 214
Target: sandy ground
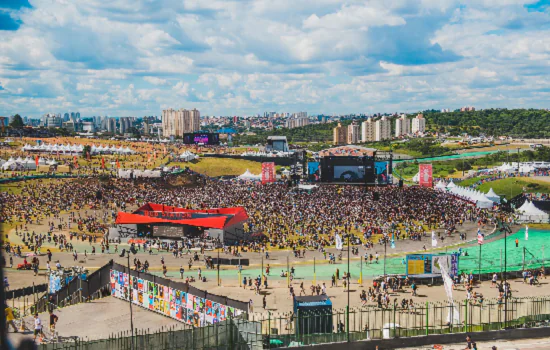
pixel 99 319
pixel 520 344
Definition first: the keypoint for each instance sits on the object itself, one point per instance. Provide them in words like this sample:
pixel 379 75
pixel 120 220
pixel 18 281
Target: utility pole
pixel 218 266
pixel 349 281
pixel 130 297
pixel 479 272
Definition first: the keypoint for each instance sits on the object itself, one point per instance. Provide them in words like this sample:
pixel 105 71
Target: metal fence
pixel 227 335
pixel 371 322
pixel 262 331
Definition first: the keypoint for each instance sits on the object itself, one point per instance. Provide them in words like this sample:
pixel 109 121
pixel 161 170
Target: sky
pixel 242 57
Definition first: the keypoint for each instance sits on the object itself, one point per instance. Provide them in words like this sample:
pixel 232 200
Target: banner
pixel 102 163
pixel 177 304
pixel 338 239
pixel 425 175
pixel 268 172
pixel 36 161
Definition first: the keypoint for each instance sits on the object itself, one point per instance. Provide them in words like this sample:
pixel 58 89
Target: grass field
pixel 220 166
pixel 511 187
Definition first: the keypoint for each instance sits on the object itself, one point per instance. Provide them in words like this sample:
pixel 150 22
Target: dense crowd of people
pixel 288 217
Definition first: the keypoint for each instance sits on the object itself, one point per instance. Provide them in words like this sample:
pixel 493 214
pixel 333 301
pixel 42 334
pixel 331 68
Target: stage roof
pixel 348 151
pixel 152 213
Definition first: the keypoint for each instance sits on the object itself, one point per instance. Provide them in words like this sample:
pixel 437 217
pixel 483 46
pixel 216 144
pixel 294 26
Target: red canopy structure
pixel 152 213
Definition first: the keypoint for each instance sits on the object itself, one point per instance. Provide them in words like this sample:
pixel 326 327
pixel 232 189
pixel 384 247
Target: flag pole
pixel 479 271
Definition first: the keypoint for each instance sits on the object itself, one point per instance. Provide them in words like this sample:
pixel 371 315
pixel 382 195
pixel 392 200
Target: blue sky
pixel 136 57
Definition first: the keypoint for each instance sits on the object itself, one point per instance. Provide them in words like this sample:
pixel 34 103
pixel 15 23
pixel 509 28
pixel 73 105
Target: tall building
pixel 419 124
pixel 77 115
pixel 178 122
pixel 368 131
pixel 402 126
pixel 124 124
pixel 110 125
pixel 340 135
pixel 383 129
pixel 467 109
pixel 66 117
pixel 296 122
pixel 354 133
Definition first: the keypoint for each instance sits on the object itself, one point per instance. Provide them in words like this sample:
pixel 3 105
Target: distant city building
pixel 297 121
pixel 178 122
pixel 418 124
pixel 50 120
pixel 354 133
pixel 467 109
pixel 402 126
pixel 66 117
pixel 110 125
pixel 368 131
pixel 88 127
pixel 445 110
pixel 124 124
pixel 340 135
pixel 383 129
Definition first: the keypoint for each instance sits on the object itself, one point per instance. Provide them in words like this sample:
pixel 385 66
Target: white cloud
pixel 241 57
pixel 155 80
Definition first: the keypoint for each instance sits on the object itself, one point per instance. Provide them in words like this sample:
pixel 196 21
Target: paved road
pixel 520 344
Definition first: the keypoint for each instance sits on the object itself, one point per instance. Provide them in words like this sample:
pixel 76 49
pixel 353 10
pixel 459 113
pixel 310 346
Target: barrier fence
pixel 232 334
pixel 366 323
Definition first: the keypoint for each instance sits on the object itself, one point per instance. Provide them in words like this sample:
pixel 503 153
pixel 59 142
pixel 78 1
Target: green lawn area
pixel 511 187
pixel 222 166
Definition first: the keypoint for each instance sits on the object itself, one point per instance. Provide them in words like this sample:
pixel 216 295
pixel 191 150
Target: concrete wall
pixel 519 333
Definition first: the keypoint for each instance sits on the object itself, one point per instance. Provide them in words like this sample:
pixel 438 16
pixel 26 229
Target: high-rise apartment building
pixel 402 126
pixel 340 135
pixel 368 131
pixel 124 124
pixel 383 129
pixel 354 133
pixel 467 109
pixel 178 122
pixel 418 124
pixel 296 122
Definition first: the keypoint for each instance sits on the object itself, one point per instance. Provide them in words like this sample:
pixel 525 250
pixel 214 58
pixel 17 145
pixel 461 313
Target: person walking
pixel 37 327
pixel 517 243
pixel 182 271
pixel 8 312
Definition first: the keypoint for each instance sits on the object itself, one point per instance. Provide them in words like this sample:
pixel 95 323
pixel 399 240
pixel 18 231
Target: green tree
pixel 85 150
pixel 17 122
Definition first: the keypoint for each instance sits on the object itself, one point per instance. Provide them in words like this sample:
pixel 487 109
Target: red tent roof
pixel 228 217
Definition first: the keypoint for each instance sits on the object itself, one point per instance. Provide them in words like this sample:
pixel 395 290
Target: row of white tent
pixel 264 154
pixel 483 200
pixel 76 149
pixel 135 173
pixel 188 156
pixel 26 164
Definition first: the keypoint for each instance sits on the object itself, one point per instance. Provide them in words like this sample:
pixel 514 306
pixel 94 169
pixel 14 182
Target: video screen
pixel 382 172
pixel 201 138
pixel 349 173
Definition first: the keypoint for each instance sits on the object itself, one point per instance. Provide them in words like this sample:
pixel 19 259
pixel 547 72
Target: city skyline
pixel 135 58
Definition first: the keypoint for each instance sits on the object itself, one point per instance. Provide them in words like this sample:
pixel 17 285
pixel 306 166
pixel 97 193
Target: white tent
pixel 188 156
pixel 528 212
pixel 416 178
pixel 247 175
pixel 286 172
pixel 440 185
pixel 451 184
pixel 306 187
pixel 493 196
